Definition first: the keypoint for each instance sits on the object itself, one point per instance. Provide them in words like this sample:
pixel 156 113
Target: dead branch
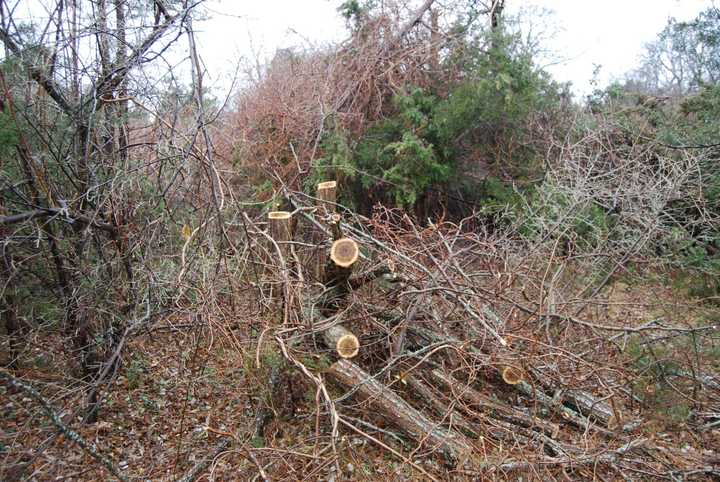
pixel 69 433
pixel 452 445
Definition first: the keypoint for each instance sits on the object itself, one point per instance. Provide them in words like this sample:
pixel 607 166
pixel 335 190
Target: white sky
pixel 588 32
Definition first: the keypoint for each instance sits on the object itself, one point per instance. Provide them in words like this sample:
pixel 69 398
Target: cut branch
pixel 454 446
pixel 61 213
pixel 346 344
pixel 344 252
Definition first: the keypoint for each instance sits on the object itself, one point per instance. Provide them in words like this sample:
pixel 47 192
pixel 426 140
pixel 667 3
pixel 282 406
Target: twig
pixel 69 433
pixel 205 463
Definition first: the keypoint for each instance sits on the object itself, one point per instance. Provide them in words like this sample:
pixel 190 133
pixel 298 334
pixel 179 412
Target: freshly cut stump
pixel 511 375
pixel 279 225
pixel 327 195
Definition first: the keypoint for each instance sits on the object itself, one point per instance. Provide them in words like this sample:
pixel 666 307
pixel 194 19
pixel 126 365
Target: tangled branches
pixel 464 356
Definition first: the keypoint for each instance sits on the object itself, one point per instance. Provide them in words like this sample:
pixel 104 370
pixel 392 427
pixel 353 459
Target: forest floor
pixel 184 389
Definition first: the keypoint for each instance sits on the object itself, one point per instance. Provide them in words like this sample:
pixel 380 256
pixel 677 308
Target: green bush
pixel 430 140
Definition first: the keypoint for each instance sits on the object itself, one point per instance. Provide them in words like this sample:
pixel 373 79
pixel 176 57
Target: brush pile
pixel 437 341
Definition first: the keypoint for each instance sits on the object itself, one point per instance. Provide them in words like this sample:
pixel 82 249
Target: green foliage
pixel 426 137
pixel 415 168
pixel 496 199
pixel 489 113
pixel 659 369
pixel 317 363
pixel 350 10
pixel 336 163
pixel 401 150
pixel 8 134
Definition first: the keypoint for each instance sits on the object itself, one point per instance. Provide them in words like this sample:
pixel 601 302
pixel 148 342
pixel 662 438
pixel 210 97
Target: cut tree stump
pixel 279 229
pixel 327 196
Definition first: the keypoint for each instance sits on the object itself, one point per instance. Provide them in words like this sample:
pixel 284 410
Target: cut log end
pixel 511 375
pixel 279 215
pixel 347 346
pixel 326 185
pixel 344 252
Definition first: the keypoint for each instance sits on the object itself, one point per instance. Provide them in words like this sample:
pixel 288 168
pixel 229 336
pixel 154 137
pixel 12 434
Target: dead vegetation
pixel 205 335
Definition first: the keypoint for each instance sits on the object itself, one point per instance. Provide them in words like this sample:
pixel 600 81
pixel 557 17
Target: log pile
pixel 424 339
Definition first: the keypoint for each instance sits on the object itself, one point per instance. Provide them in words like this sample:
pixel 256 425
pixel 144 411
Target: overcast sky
pixel 610 33
pixel 585 33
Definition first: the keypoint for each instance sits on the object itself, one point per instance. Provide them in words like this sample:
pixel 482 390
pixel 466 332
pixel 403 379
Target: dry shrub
pixel 279 121
pixel 615 195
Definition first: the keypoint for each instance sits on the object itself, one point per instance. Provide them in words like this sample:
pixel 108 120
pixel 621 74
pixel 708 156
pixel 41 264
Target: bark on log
pixel 383 269
pixel 451 417
pixel 526 389
pixel 327 197
pixel 492 407
pixel 567 413
pixel 279 230
pixel 454 446
pixel 584 402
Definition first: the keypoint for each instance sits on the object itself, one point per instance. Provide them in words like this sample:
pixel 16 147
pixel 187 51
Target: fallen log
pixel 451 417
pixel 491 407
pixel 523 387
pixel 553 405
pixel 584 402
pixel 455 447
pixel 346 344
